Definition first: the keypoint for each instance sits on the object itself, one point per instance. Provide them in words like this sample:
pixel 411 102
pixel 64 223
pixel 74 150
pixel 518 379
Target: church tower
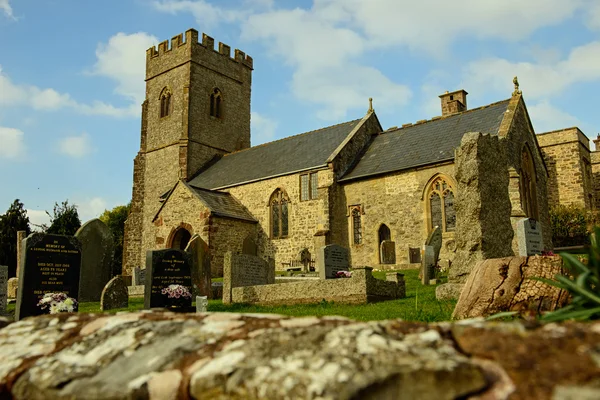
pixel 197 107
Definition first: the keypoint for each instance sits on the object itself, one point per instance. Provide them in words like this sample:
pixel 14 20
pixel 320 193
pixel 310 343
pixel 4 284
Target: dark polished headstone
pixel 49 264
pixel 163 268
pixel 97 251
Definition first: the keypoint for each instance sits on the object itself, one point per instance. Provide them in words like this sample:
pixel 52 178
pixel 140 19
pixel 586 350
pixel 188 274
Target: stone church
pixel 354 184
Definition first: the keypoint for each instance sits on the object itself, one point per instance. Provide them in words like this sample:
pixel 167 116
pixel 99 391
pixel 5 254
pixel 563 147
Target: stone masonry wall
pixel 397 201
pixel 595 161
pixel 567 157
pixel 227 234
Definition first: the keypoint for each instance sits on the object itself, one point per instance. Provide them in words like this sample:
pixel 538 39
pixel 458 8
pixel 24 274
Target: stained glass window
pixel 308 187
pixel 356 227
pixel 279 214
pixel 441 206
pixel 436 210
pixel 314 185
pixel 303 187
pixel 449 211
pixel 284 218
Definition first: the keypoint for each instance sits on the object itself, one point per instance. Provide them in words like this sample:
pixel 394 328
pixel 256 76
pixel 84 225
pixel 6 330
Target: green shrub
pixel 570 226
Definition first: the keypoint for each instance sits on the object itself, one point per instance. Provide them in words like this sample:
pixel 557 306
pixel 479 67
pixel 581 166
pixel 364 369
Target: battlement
pixel 178 45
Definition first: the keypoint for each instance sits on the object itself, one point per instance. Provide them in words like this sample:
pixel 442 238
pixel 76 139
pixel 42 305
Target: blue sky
pixel 72 74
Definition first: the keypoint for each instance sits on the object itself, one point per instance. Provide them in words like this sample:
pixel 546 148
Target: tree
pixel 115 220
pixel 14 220
pixel 65 219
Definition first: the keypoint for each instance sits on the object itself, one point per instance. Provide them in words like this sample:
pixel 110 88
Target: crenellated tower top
pixel 165 57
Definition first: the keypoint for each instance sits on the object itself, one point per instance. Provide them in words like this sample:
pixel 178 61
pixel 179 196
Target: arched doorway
pixel 180 239
pixel 383 234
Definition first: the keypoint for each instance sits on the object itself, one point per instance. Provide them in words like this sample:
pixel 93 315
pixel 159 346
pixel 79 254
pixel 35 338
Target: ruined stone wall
pixel 305 217
pixel 397 201
pixel 568 160
pixel 227 234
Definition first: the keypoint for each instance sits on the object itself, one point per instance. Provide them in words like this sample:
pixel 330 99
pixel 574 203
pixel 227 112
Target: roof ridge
pixel 290 137
pixel 439 118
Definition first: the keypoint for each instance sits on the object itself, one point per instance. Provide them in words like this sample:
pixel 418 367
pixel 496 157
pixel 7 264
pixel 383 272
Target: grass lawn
pixel 420 304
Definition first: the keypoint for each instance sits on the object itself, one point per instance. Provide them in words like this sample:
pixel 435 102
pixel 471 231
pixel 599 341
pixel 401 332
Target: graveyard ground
pixel 420 304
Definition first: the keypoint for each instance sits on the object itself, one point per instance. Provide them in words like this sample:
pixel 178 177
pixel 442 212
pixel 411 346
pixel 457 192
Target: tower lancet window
pixel 216 104
pixel 165 103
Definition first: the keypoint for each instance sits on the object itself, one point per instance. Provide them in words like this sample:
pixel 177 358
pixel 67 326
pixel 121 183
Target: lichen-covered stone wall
pixel 152 355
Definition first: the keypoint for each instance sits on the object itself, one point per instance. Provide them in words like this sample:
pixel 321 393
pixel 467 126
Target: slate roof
pixel 425 143
pixel 223 204
pixel 295 153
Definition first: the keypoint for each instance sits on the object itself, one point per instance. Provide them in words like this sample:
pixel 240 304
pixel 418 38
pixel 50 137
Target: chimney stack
pixel 454 102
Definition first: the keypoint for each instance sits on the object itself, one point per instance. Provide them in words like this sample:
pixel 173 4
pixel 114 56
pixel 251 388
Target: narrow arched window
pixel 356 225
pixel 165 103
pixel 279 205
pixel 216 104
pixel 441 205
pixel 527 185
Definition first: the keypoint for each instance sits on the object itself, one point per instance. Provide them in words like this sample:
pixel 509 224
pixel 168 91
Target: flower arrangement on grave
pixel 178 295
pixel 57 303
pixel 343 274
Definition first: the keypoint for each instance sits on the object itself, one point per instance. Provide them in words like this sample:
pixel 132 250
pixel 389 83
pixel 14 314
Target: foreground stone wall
pixel 361 288
pixel 236 356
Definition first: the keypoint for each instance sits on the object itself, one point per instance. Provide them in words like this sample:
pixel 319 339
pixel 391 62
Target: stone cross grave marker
pixel 3 288
pixel 331 259
pixel 201 275
pixel 50 264
pixel 428 264
pixel 387 249
pixel 139 276
pixel 245 270
pixel 435 240
pixel 529 237
pixel 163 268
pixel 97 251
pixel 114 295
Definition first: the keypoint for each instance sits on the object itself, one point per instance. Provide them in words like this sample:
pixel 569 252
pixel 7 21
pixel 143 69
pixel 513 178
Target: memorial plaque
pixel 529 236
pixel 331 259
pixel 245 270
pixel 3 288
pixel 387 249
pixel 97 251
pixel 164 268
pixel 50 264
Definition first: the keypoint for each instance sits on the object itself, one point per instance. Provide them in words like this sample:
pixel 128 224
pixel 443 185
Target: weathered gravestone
pixel 331 259
pixel 50 264
pixel 13 285
pixel 387 249
pixel 529 237
pixel 3 288
pixel 164 268
pixel 200 268
pixel 428 265
pixel 305 259
pixel 245 270
pixel 97 251
pixel 201 304
pixel 21 235
pixel 114 295
pixel 435 240
pixel 249 247
pixel 139 276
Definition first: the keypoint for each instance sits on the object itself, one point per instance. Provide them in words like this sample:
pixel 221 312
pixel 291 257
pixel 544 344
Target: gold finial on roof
pixel 516 82
pixel 370 104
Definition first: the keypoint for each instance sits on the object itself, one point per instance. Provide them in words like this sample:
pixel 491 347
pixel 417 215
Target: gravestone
pixel 3 288
pixel 139 276
pixel 163 268
pixel 200 268
pixel 201 304
pixel 435 240
pixel 249 247
pixel 50 264
pixel 305 259
pixel 114 295
pixel 245 270
pixel 20 237
pixel 387 249
pixel 13 285
pixel 331 259
pixel 97 251
pixel 529 236
pixel 414 255
pixel 428 264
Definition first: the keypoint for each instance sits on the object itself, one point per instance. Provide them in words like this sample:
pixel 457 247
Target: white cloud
pixel 123 59
pixel 593 16
pixel 76 146
pixel 545 117
pixel 91 208
pixel 12 145
pixel 38 217
pixel 5 6
pixel 205 13
pixel 262 129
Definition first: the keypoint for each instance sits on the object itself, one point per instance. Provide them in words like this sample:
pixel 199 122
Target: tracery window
pixel 216 104
pixel 527 185
pixel 441 205
pixel 279 204
pixel 165 102
pixel 355 216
